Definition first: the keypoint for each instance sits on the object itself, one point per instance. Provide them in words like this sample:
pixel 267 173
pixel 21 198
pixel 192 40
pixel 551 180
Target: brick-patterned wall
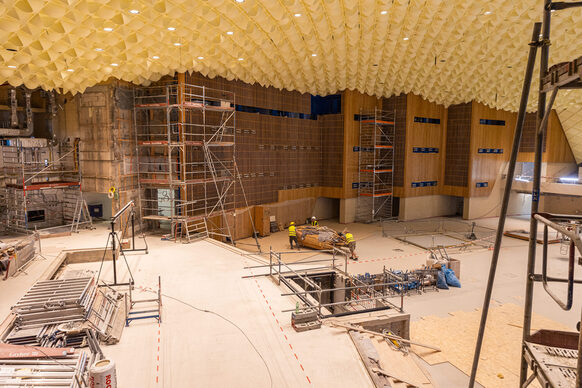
pixel 276 153
pixel 458 145
pixel 332 134
pixel 256 95
pixel 528 137
pixel 398 103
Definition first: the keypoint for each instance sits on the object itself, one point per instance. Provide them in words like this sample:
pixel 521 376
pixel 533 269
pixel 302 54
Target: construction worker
pixel 314 221
pixel 351 243
pixel 293 235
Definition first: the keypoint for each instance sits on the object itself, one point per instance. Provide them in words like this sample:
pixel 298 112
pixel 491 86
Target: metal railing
pixel 282 272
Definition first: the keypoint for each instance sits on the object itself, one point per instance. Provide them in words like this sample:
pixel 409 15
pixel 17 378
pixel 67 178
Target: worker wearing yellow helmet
pixel 351 243
pixel 314 221
pixel 293 235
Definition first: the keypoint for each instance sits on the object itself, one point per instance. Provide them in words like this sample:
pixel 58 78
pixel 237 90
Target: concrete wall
pixel 479 207
pixel 561 204
pixel 414 208
pixel 99 198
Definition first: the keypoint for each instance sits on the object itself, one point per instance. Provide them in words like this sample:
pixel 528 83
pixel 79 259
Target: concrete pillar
pixel 347 210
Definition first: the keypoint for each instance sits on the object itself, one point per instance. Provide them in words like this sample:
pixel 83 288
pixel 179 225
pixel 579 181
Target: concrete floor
pixel 193 347
pixel 376 251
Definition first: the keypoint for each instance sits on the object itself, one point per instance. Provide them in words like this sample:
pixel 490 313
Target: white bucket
pixel 102 375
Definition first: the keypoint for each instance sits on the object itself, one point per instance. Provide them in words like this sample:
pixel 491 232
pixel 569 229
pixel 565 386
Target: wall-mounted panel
pixel 458 145
pixel 489 142
pixel 425 129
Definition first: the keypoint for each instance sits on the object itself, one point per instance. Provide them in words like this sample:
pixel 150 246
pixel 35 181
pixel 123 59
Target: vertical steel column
pixel 506 194
pixel 113 252
pixel 533 231
pixel 579 364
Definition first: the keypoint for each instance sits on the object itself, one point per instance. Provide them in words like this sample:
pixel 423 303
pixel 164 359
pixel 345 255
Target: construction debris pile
pixel 428 278
pixel 320 237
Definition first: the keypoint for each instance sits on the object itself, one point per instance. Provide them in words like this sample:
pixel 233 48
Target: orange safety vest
pixel 292 232
pixel 349 237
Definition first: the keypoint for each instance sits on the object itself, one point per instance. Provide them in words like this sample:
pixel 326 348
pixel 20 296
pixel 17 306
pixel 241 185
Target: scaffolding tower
pixel 185 136
pixel 41 185
pixel 376 165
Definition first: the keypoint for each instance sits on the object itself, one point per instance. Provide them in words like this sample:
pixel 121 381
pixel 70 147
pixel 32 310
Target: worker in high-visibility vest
pixel 314 221
pixel 351 243
pixel 293 235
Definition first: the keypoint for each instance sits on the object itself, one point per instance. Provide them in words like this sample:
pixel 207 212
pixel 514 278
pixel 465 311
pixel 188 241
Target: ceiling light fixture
pixel 241 59
pixel 108 29
pixel 171 28
pixel 229 32
pixel 98 49
pixel 383 12
pixel 200 57
pixel 487 13
pixel 177 44
pixel 405 38
pixel 114 64
pixel 240 1
pixel 134 11
pixel 70 70
pixel 313 55
pixel 155 57
pixel 297 15
pixel 12 66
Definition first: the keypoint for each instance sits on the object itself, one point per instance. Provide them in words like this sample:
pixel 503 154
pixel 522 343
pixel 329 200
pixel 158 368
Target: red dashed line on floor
pixel 281 328
pixel 158 355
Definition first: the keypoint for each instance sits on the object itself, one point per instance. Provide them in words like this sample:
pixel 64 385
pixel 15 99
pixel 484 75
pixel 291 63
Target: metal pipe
pixel 120 212
pixel 506 194
pixel 295 263
pixel 531 259
pixel 579 363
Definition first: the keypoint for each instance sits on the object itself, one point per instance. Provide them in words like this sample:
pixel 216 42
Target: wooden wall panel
pixel 352 103
pixel 422 167
pixel 485 167
pixel 557 147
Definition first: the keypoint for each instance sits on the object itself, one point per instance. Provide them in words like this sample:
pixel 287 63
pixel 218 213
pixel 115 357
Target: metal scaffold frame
pixel 185 138
pixel 44 178
pixel 376 165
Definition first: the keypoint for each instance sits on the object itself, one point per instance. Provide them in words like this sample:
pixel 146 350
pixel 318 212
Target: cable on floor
pixel 229 321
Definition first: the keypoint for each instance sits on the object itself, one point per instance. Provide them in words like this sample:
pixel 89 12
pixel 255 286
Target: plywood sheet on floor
pixel 456 336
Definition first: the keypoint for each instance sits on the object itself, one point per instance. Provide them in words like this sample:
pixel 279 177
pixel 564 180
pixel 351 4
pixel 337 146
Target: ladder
pixel 194 230
pixel 81 214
